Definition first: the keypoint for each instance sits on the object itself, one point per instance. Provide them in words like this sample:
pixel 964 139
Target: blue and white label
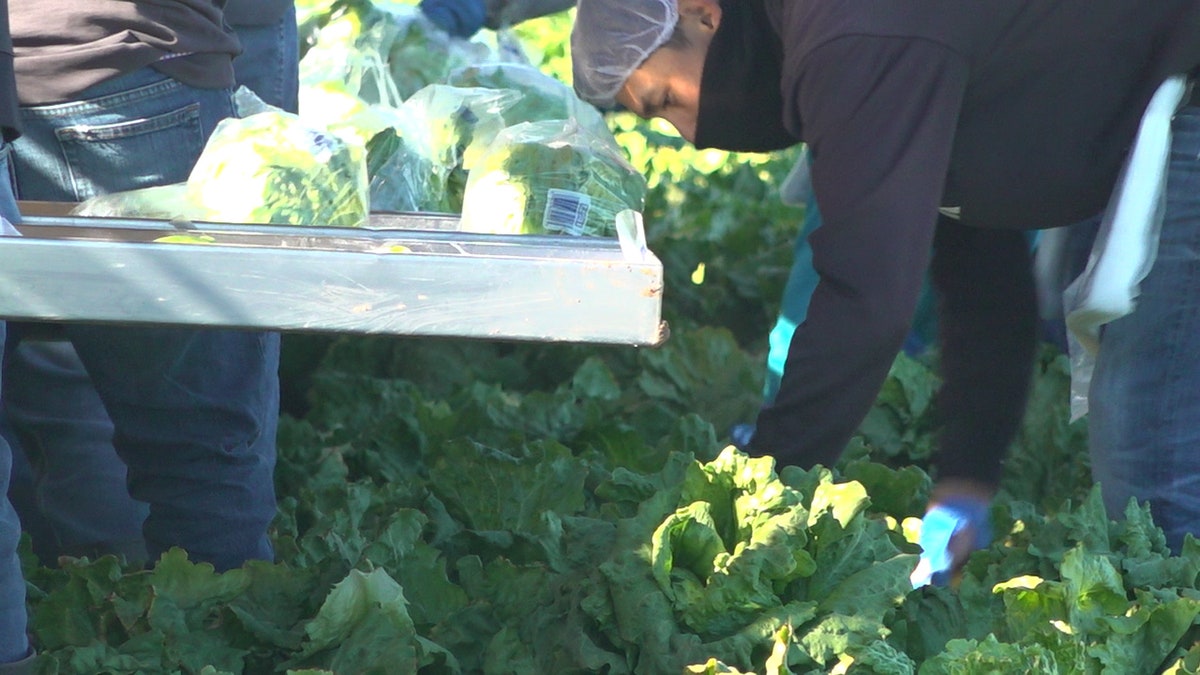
pixel 566 212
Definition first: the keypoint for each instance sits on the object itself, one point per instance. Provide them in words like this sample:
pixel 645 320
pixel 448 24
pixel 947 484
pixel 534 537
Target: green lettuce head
pixel 271 167
pixel 550 177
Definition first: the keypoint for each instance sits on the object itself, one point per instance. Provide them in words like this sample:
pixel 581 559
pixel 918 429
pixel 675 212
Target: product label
pixel 566 212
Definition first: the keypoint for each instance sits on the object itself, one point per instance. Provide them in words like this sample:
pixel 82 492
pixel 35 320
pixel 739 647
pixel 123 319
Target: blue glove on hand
pixel 742 435
pixel 460 18
pixel 963 516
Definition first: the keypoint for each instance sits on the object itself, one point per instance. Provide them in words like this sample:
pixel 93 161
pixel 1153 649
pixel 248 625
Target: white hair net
pixel 611 38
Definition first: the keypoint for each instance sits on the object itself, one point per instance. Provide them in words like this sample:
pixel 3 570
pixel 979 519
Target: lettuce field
pixel 451 506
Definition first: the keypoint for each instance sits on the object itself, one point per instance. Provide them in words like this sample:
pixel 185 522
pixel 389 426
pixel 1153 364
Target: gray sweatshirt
pixel 62 47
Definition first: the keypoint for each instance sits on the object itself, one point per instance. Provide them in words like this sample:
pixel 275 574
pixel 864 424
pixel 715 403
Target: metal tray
pixel 405 274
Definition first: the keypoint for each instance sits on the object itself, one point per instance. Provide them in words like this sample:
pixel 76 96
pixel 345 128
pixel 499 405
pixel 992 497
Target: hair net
pixel 611 38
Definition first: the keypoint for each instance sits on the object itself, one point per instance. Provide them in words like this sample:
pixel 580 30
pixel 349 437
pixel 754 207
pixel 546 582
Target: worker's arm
pixel 505 13
pixel 987 326
pixel 879 116
pixel 463 18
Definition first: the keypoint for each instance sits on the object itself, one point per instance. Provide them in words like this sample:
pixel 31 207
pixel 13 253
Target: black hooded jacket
pixel 1016 113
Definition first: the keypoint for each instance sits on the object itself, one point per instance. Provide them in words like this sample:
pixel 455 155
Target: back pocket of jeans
pixel 138 153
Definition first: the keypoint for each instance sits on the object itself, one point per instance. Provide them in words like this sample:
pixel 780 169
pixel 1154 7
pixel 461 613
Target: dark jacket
pixel 1018 113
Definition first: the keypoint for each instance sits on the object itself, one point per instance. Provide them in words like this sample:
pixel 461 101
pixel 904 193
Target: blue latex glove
pixel 942 521
pixel 741 435
pixel 460 18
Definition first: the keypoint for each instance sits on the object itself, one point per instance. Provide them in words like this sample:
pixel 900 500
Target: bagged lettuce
pixel 550 177
pixel 329 107
pixel 361 39
pixel 542 97
pixel 266 167
pixel 271 167
pixel 422 54
pixel 361 72
pixel 402 178
pixel 422 164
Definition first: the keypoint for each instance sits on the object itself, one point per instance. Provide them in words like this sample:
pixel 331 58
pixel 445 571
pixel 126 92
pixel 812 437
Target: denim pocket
pixel 129 155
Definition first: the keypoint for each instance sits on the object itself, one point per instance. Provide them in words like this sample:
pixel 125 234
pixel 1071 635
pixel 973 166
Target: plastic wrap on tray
pixel 550 177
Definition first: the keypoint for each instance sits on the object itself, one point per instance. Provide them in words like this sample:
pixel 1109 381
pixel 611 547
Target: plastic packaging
pixel 165 202
pixel 360 71
pixel 550 177
pixel 542 96
pixel 268 167
pixel 439 131
pixel 1126 244
pixel 385 51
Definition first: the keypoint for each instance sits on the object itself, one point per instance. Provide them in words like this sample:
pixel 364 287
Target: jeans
pixel 1144 401
pixel 193 412
pixel 69 485
pixel 76 502
pixel 270 61
pixel 13 642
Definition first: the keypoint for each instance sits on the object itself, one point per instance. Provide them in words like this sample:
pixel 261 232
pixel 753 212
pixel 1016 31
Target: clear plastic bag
pixel 165 202
pixel 542 96
pixel 422 54
pixel 385 51
pixel 1126 244
pixel 439 131
pixel 267 167
pixel 271 167
pixel 360 71
pixel 551 177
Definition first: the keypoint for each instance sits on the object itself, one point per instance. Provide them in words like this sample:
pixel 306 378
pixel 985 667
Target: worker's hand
pixel 741 435
pixel 507 13
pixel 460 18
pixel 956 524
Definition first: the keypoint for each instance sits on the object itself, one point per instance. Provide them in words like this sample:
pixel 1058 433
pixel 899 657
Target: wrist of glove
pixel 460 18
pixel 741 436
pixel 950 531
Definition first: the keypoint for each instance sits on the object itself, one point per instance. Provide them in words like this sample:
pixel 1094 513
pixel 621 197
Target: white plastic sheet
pixel 1126 244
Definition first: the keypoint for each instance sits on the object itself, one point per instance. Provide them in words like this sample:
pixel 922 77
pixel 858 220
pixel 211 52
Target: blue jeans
pixel 13 642
pixel 193 412
pixel 69 485
pixel 270 61
pixel 76 502
pixel 1144 401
